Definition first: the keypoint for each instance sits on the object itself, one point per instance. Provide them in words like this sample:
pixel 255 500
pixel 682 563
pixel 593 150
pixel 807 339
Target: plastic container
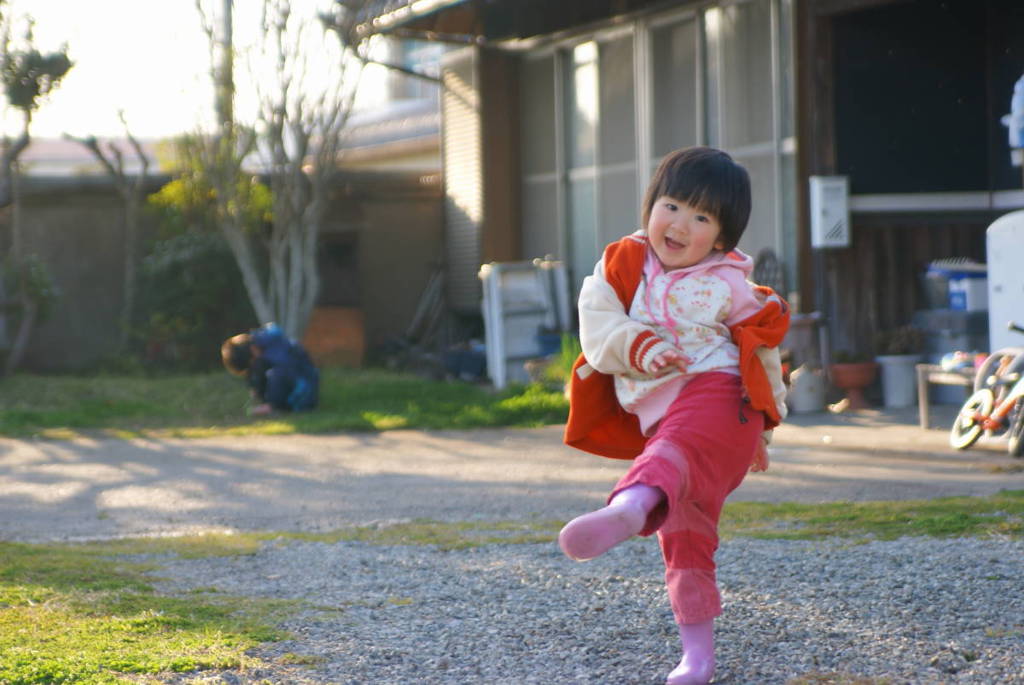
pixel 806 390
pixel 899 379
pixel 968 291
pixel 936 288
pixel 958 284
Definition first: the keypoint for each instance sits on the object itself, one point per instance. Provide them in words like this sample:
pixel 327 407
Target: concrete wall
pixel 75 226
pixel 398 252
pixel 394 222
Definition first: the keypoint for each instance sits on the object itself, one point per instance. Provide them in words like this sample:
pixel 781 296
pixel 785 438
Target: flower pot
pixel 899 379
pixel 852 378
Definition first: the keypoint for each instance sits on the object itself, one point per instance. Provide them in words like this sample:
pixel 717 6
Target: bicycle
pixel 997 405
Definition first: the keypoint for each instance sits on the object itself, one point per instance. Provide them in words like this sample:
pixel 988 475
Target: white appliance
pixel 1005 246
pixel 520 300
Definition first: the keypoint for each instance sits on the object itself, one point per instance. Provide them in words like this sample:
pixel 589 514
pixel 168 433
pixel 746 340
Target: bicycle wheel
pixel 966 430
pixel 1016 432
pixel 991 363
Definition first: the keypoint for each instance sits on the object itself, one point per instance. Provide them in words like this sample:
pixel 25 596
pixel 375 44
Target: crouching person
pixel 278 370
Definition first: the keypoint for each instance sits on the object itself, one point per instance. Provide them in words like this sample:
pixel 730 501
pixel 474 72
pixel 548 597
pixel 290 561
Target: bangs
pixel 703 182
pixel 697 193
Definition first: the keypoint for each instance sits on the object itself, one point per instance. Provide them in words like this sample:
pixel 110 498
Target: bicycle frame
pixel 997 404
pixel 995 419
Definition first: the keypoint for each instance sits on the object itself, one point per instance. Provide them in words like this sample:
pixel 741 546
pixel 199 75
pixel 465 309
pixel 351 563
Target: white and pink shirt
pixel 689 309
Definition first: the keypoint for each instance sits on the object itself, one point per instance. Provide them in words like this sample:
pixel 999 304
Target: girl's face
pixel 680 234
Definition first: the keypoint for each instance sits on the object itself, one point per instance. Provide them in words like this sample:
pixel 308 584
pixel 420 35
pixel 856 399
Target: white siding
pixel 463 179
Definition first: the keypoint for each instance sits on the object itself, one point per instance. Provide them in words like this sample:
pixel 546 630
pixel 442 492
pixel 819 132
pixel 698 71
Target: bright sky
pixel 147 57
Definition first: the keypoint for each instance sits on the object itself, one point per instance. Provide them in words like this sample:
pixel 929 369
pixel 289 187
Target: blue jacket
pixel 283 374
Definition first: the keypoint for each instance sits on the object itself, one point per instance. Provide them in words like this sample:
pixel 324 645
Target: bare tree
pixel 132 189
pixel 302 136
pixel 297 134
pixel 219 159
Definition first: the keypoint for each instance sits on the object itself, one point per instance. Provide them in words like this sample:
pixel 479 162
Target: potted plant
pixel 898 351
pixel 851 373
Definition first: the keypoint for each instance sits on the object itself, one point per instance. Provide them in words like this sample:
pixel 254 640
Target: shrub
pixel 560 368
pixel 191 299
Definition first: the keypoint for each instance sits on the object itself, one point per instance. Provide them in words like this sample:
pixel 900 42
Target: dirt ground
pixel 99 488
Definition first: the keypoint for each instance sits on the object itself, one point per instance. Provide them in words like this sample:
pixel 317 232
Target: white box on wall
pixel 830 211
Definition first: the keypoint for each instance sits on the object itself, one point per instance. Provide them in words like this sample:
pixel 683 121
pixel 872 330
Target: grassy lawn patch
pixel 210 404
pixel 88 613
pixel 448 535
pixel 1000 514
pixel 76 614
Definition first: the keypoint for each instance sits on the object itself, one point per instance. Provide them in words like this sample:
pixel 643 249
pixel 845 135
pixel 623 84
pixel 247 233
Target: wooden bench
pixel 933 373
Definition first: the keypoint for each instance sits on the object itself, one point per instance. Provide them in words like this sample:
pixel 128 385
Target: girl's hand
pixel 665 362
pixel 760 462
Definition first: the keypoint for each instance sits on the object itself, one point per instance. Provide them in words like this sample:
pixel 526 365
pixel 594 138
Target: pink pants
pixel 700 453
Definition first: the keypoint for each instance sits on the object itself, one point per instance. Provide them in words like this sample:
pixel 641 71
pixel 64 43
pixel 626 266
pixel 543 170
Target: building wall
pixel 462 161
pixel 480 153
pixel 77 231
pixel 918 134
pixel 391 222
pixel 602 107
pixel 938 131
pixel 400 247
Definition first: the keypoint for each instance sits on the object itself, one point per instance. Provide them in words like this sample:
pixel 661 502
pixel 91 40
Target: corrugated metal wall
pixel 462 157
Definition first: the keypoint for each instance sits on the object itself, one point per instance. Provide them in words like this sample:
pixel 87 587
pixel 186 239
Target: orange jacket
pixel 598 423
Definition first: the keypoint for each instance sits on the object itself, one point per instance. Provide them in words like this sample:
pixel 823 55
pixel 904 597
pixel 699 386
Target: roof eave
pixel 405 16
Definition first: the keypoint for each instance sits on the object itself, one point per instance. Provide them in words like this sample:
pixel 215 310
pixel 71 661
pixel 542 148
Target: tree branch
pixel 11 152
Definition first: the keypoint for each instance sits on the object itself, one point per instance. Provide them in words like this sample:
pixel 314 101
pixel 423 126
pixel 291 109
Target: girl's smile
pixel 681 235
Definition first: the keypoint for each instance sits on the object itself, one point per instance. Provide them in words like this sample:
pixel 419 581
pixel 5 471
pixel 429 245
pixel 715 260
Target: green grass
pixel 214 404
pixel 76 614
pixel 1000 514
pixel 88 613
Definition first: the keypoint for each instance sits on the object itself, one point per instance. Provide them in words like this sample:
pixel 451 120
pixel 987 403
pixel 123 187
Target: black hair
pixel 709 180
pixel 236 353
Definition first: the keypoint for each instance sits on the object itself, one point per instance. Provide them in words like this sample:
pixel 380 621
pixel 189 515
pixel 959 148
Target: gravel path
pixel 911 611
pixel 102 488
pixel 908 611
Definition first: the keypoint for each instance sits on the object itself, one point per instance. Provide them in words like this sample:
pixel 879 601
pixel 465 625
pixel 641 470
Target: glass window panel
pixel 618 111
pixel 787 196
pixel 712 76
pixel 582 104
pixel 746 73
pixel 582 230
pixel 761 229
pixel 619 206
pixel 540 219
pixel 786 68
pixel 674 92
pixel 537 105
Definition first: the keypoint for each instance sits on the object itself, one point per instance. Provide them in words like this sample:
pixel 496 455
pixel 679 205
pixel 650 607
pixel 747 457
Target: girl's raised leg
pixel 593 534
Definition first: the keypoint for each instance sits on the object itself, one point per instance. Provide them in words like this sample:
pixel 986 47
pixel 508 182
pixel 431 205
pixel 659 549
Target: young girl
pixel 680 369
